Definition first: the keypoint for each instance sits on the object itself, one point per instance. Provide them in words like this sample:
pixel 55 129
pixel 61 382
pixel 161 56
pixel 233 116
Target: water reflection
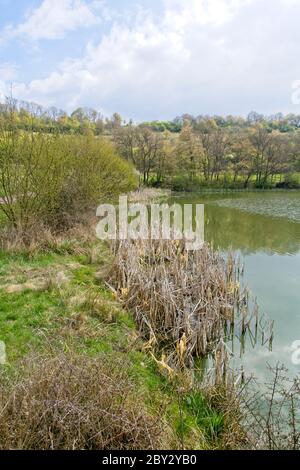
pixel 251 222
pixel 268 239
pixel 250 233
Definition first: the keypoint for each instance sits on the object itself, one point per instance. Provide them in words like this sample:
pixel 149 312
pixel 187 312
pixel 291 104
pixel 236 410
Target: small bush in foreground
pixel 72 402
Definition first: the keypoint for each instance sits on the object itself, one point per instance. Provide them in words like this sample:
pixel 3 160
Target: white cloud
pixel 7 71
pixel 201 56
pixel 203 11
pixel 53 19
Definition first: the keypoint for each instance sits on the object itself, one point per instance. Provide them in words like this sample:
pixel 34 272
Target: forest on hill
pixel 186 153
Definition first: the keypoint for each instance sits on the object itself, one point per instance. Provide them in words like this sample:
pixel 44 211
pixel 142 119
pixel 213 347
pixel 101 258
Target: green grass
pixel 22 316
pixel 29 319
pixel 226 181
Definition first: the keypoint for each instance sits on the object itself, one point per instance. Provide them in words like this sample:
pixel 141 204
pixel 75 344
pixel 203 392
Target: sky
pixel 152 59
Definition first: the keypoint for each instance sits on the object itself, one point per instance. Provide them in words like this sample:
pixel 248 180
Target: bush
pixel 184 183
pixel 51 180
pixel 95 173
pixel 72 402
pixel 290 182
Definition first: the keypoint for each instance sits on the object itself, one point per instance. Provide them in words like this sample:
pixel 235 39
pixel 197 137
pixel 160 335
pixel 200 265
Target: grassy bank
pixel 105 351
pixel 227 182
pixel 57 316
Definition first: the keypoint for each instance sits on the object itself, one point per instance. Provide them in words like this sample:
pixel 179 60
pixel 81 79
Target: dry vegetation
pixel 183 301
pixel 53 300
pixel 148 195
pixel 127 398
pixel 73 402
pixel 147 392
pixel 270 411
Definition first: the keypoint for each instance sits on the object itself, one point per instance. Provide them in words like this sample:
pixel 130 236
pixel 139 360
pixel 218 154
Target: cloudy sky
pixel 152 59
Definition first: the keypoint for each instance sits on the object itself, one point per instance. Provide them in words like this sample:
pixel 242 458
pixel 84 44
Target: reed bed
pixel 184 301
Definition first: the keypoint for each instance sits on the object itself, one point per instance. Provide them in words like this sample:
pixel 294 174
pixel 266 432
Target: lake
pixel 263 228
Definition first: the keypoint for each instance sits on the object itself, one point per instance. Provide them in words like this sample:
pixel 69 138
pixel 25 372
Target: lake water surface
pixel 264 229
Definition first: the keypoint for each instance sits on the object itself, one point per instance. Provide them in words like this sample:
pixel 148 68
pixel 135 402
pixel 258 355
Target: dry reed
pixel 183 300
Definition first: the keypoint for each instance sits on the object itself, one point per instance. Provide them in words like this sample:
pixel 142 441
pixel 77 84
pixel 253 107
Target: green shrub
pixel 51 180
pixel 291 181
pixel 185 183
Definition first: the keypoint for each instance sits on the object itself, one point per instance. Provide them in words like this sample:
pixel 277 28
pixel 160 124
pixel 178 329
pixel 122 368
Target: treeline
pixel 207 154
pixel 187 152
pixel 278 121
pixel 32 116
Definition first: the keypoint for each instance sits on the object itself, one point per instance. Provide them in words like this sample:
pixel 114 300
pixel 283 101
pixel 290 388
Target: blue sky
pixel 152 59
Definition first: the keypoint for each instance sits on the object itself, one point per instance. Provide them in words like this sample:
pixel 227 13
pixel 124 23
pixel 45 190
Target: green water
pixel 264 229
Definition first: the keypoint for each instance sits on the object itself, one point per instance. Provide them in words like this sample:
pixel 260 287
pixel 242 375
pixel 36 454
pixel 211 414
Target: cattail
pixel 183 299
